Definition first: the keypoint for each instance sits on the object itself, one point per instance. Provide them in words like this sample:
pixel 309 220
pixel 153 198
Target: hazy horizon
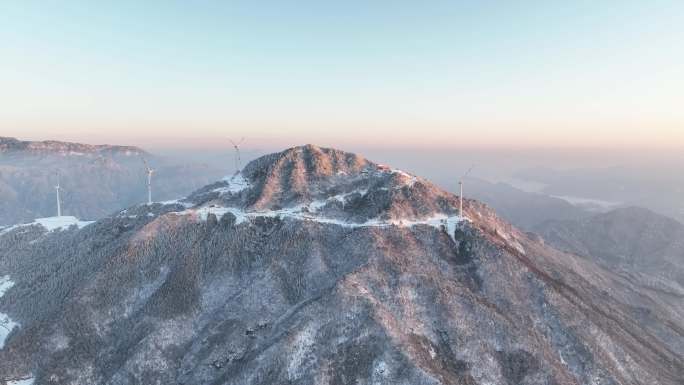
pixel 383 75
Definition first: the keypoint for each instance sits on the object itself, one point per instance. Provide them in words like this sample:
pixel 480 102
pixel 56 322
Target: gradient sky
pixel 429 74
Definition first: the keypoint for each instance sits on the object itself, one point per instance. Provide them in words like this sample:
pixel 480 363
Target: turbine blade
pixel 468 172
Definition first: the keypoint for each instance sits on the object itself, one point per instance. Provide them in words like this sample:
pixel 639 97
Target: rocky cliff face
pixel 315 266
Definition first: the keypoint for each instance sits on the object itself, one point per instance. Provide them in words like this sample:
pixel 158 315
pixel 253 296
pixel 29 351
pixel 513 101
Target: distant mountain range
pixel 318 266
pixel 636 241
pixel 654 186
pixel 95 180
pixel 524 209
pixel 13 146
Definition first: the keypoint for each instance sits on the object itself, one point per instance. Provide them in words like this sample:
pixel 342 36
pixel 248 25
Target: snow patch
pixel 62 223
pixel 51 223
pixel 236 183
pixel 6 324
pixel 124 213
pixel 451 224
pixel 302 351
pixel 408 178
pixel 25 381
pixel 7 229
pixel 303 212
pixel 318 204
pixel 380 372
pixel 203 213
pixel 176 202
pixel 5 284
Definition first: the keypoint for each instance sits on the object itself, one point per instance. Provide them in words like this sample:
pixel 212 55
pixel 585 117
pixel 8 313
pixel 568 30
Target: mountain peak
pixel 329 184
pixel 300 173
pixel 309 162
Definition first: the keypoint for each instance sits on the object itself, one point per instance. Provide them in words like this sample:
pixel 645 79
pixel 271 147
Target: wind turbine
pixel 150 171
pixel 59 201
pixel 460 196
pixel 236 146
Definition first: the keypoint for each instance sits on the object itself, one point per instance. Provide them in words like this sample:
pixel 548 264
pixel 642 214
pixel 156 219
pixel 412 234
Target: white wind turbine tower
pixel 59 201
pixel 460 195
pixel 150 171
pixel 236 146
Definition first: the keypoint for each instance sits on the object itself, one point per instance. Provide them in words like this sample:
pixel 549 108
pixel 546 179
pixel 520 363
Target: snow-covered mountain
pixel 316 266
pixel 95 180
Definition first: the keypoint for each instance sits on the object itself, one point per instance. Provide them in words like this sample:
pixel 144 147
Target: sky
pixel 383 74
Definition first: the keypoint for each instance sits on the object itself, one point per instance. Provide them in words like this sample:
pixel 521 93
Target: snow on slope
pixel 5 284
pixel 236 183
pixel 26 381
pixel 62 223
pixel 51 223
pixel 305 213
pixel 6 324
pixel 311 211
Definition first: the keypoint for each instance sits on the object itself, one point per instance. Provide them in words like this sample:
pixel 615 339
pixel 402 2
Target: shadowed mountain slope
pixel 644 247
pixel 628 237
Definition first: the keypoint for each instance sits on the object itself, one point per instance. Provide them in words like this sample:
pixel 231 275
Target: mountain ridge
pixel 342 184
pixel 10 146
pixel 634 240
